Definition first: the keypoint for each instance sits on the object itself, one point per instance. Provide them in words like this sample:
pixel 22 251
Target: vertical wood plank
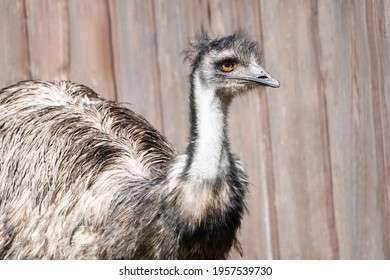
pixel 356 152
pixel 14 60
pixel 335 62
pixel 367 238
pixel 325 155
pixel 297 139
pixel 91 58
pixel 135 60
pixel 382 32
pixel 221 16
pixel 379 49
pixel 369 241
pixel 379 52
pixel 47 25
pixel 185 18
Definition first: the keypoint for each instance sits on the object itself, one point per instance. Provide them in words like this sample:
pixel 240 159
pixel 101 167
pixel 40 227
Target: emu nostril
pixel 262 77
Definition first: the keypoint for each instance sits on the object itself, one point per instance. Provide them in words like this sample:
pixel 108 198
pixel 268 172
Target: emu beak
pixel 263 77
pixel 259 76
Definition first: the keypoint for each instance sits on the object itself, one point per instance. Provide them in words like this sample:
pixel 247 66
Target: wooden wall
pixel 317 149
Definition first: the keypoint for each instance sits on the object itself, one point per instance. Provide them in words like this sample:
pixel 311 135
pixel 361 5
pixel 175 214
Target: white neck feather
pixel 209 157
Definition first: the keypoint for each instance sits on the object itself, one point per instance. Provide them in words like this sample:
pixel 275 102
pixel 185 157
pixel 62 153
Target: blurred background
pixel 317 150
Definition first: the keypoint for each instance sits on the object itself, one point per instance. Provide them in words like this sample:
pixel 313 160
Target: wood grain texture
pixel 14 56
pixel 172 38
pixel 379 40
pixel 135 57
pixel 317 150
pixel 91 57
pixel 296 125
pixel 48 39
pixel 352 129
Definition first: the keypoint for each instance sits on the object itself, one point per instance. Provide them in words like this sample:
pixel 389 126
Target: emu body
pixel 85 178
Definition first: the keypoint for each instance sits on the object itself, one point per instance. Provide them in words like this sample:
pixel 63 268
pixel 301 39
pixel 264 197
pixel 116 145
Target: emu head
pixel 228 65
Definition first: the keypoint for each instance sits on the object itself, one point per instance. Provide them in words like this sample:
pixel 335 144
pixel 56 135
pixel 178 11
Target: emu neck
pixel 207 151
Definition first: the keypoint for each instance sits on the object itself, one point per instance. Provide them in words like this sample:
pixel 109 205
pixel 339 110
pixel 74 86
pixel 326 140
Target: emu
pixel 85 178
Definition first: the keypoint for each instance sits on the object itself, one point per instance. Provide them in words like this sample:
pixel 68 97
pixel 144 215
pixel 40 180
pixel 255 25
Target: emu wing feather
pixel 66 154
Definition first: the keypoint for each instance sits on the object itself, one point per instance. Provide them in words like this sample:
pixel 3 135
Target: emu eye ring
pixel 227 66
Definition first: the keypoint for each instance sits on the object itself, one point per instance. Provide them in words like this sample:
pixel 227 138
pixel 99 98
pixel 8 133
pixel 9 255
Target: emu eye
pixel 227 66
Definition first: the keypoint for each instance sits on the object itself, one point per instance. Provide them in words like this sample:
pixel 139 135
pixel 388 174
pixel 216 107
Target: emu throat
pixel 207 151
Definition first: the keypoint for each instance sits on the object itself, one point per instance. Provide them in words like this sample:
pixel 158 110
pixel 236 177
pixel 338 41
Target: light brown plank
pixel 14 59
pixel 298 147
pixel 379 51
pixel 353 138
pixel 91 59
pixel 48 37
pixel 135 61
pixel 175 23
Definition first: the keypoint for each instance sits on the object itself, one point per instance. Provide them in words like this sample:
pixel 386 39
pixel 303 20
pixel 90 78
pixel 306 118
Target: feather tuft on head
pixel 203 43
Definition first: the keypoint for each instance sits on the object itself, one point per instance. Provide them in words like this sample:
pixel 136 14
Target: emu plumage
pixel 85 178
